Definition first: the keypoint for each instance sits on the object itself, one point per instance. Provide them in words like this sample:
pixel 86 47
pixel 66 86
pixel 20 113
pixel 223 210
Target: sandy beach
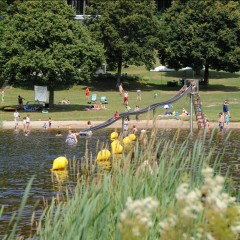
pixel 165 124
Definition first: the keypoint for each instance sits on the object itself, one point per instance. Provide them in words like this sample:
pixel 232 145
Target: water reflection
pixel 24 156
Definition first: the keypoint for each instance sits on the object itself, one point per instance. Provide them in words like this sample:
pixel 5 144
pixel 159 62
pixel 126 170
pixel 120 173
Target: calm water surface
pixel 22 157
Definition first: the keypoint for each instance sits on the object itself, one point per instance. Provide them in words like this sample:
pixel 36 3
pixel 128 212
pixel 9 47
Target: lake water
pixel 22 156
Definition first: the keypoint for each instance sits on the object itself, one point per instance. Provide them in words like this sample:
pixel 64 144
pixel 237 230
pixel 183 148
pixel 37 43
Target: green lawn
pixel 222 85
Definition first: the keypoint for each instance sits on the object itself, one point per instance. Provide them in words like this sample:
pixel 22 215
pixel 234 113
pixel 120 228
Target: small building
pixel 80 5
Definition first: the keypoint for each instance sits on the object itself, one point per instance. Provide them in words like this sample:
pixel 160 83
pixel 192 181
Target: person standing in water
pixel 16 118
pixel 27 123
pixel 71 138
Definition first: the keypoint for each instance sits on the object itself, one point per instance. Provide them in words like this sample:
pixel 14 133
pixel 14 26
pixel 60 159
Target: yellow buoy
pixel 114 135
pixel 61 175
pixel 117 148
pixel 132 137
pixel 103 155
pixel 127 140
pixel 60 163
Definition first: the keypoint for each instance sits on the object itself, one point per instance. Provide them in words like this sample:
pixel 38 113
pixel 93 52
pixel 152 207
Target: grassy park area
pixel 222 86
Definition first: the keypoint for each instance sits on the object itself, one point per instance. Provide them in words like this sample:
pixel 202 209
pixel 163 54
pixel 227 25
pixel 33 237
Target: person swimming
pixel 71 138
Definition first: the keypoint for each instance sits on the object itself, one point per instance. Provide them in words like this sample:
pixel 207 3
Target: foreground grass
pixel 222 86
pixel 94 209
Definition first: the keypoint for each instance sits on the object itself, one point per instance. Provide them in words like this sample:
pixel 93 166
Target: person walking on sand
pixel 125 124
pixel 221 121
pixel 49 122
pixel 127 109
pixel 87 93
pixel 16 118
pixel 89 124
pixel 226 120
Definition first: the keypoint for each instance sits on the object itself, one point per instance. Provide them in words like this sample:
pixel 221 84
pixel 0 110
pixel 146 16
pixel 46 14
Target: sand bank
pixel 165 124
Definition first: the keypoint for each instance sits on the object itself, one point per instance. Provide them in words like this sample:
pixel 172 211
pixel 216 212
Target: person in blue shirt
pixel 226 108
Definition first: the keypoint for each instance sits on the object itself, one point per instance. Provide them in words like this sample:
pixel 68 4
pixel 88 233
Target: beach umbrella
pixel 167 106
pixel 162 69
pixel 185 69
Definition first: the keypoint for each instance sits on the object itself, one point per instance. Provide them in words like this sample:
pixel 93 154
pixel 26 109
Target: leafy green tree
pixel 201 33
pixel 3 7
pixel 127 29
pixel 44 44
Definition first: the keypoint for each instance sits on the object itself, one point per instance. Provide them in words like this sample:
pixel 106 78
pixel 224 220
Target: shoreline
pixel 147 124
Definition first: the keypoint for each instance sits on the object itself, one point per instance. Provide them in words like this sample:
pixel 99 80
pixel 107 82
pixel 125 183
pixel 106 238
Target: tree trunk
pixel 206 75
pixel 119 72
pixel 51 97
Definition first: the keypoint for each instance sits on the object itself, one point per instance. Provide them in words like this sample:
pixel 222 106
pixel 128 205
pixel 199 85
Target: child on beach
pixel 227 120
pixel 49 122
pixel 221 121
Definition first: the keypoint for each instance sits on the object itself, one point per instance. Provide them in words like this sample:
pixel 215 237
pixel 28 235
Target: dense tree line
pixel 128 30
pixel 44 44
pixel 201 34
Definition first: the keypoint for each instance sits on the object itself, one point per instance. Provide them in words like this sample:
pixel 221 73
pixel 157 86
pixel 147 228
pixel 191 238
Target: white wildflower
pixel 164 225
pixel 219 180
pixel 140 211
pixel 168 223
pixel 123 216
pixel 221 205
pixel 191 211
pixel 182 191
pixel 136 232
pixel 209 236
pixel 193 196
pixel 236 229
pixel 207 172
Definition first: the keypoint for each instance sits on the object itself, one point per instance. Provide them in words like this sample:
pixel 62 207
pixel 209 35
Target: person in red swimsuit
pixel 87 93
